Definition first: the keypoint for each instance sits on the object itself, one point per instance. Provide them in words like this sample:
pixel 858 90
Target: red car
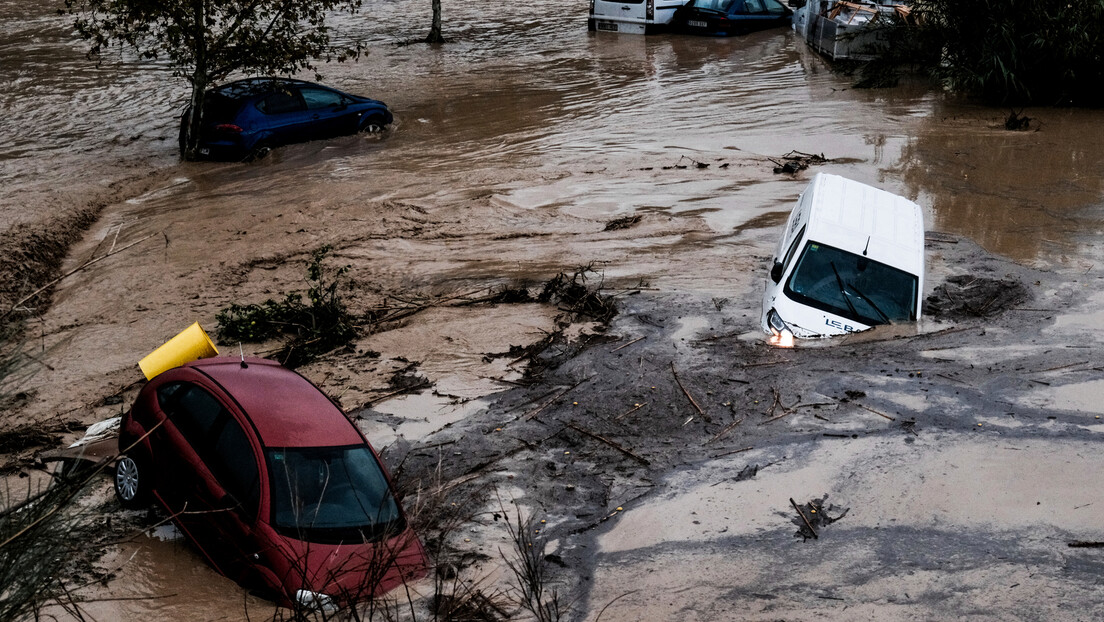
pixel 270 479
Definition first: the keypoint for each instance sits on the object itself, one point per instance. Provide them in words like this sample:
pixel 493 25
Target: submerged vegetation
pixel 309 329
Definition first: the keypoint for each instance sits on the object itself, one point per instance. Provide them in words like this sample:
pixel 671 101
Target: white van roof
pixel 854 217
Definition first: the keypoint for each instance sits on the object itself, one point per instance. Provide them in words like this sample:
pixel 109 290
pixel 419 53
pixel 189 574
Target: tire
pixel 373 124
pixel 132 482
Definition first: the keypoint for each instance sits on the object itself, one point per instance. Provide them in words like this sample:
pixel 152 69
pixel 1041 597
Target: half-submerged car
pixel 855 29
pixel 851 257
pixel 723 18
pixel 247 118
pixel 270 480
pixel 637 17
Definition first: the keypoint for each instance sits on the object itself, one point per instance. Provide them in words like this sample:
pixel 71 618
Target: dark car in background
pixel 245 119
pixel 730 17
pixel 270 480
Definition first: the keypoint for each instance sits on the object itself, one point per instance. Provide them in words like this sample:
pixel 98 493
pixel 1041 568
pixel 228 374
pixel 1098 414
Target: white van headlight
pixel 775 322
pixel 781 335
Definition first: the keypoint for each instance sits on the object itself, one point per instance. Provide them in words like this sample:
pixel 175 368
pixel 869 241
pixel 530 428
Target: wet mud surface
pixel 661 448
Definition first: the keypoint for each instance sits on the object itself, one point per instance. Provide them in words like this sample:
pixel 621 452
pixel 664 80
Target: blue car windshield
pixel 852 286
pixel 332 494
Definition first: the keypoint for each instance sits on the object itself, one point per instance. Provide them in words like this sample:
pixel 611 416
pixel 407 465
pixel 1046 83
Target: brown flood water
pixel 523 122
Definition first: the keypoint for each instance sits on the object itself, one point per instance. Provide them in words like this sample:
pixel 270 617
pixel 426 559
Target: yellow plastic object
pixel 192 343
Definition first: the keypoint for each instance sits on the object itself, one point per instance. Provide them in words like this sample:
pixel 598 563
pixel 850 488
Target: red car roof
pixel 287 410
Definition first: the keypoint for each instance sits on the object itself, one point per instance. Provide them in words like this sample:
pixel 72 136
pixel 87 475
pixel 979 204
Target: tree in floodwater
pixel 435 35
pixel 207 40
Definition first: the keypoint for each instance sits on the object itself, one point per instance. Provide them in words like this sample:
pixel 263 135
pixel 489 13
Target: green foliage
pixel 1022 51
pixel 1009 52
pixel 205 41
pixel 310 329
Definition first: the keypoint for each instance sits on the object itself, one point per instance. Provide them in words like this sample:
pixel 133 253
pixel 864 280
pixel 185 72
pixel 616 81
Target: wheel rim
pixel 126 478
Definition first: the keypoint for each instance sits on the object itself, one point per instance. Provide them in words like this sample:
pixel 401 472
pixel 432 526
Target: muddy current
pixel 514 145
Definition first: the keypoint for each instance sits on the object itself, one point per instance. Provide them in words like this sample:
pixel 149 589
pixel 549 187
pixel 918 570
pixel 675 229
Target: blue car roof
pixel 257 86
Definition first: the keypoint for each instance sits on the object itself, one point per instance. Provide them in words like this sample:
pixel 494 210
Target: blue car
pixel 722 18
pixel 245 119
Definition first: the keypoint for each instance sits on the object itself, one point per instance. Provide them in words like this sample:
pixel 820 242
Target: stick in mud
pixel 609 442
pixel 687 393
pixel 630 411
pixel 629 343
pixel 805 520
pixel 880 414
pixel 549 402
pixel 728 428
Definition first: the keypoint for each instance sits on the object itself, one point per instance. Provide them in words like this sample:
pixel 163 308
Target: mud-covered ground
pixel 962 458
pixel 662 450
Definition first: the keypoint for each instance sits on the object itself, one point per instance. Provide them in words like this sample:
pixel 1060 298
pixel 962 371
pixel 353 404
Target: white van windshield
pixel 852 286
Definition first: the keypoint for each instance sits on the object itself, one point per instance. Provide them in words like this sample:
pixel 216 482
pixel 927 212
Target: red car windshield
pixel 332 494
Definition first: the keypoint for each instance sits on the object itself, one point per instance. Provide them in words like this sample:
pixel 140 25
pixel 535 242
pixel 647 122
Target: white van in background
pixel 634 17
pixel 851 257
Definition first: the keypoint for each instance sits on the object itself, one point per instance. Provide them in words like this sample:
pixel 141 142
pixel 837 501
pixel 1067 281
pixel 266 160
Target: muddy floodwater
pixel 513 146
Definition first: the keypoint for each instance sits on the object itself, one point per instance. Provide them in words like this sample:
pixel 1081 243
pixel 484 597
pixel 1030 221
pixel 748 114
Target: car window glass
pixel 166 392
pixel 852 286
pixel 320 98
pixel 279 102
pixel 194 412
pixel 332 494
pixel 753 6
pixel 219 108
pixel 774 7
pixel 235 466
pixel 713 5
pixel 793 249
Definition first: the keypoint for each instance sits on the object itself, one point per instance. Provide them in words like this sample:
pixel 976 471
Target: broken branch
pixel 805 520
pixel 687 393
pixel 608 442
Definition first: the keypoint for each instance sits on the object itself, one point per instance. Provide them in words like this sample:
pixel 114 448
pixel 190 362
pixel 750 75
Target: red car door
pixel 190 454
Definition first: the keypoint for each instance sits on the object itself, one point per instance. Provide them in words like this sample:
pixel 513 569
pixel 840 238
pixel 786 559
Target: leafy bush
pixel 1021 51
pixel 310 329
pixel 1008 52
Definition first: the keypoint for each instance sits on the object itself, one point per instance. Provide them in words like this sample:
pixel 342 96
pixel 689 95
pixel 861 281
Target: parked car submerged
pixel 245 119
pixel 270 480
pixel 637 17
pixel 730 17
pixel 851 257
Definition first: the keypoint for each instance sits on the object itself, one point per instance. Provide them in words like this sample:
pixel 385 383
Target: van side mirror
pixel 776 271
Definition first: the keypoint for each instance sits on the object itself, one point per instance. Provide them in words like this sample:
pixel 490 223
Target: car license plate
pixel 696 23
pixel 607 26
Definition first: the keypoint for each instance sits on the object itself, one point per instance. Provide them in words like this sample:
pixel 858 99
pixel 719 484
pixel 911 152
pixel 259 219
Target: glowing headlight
pixel 315 601
pixel 781 335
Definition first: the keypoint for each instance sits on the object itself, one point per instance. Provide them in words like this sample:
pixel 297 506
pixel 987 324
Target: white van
pixel 634 17
pixel 851 257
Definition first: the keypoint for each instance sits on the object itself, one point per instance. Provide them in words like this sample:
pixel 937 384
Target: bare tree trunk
pixel 192 120
pixel 435 30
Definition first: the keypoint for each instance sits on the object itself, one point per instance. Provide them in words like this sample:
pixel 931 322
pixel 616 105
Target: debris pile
pixel 580 294
pixel 796 161
pixel 968 296
pixel 813 516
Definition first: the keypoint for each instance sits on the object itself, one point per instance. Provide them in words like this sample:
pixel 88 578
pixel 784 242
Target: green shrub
pixel 309 329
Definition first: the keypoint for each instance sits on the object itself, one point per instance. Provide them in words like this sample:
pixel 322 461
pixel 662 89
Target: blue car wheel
pixel 373 124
